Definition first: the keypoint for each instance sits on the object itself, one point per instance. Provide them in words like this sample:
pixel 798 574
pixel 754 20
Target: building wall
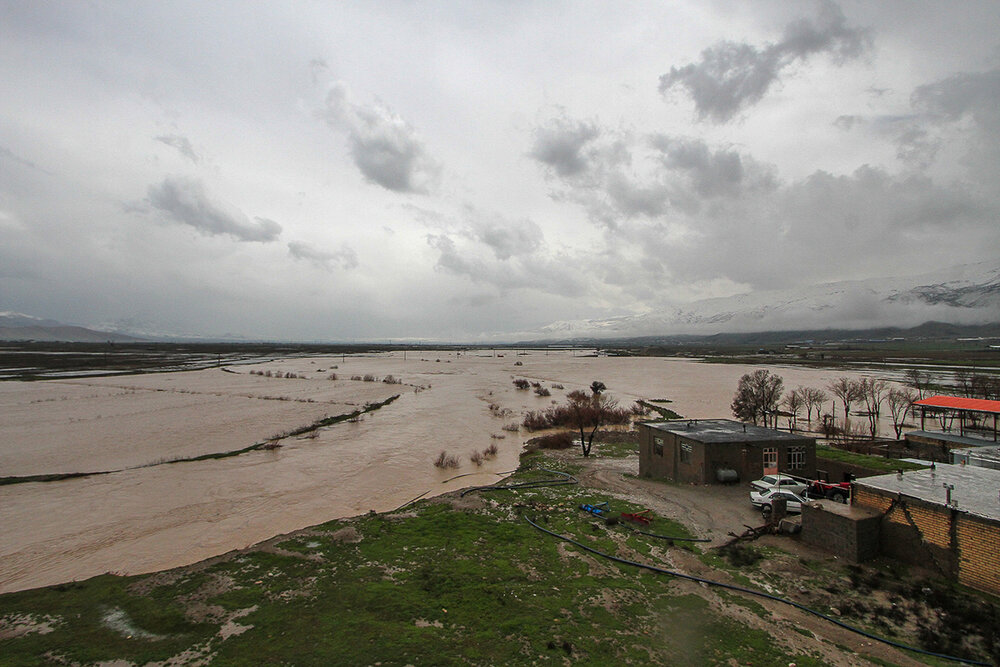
pixel 853 536
pixel 746 458
pixel 960 546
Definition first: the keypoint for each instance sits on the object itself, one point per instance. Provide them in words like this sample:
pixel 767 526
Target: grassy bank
pixel 872 462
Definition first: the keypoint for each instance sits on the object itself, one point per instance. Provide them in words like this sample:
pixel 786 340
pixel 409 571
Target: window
pixel 796 458
pixel 686 452
pixel 658 446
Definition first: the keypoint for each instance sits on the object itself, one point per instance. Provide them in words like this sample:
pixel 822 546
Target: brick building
pixel 946 518
pixel 703 451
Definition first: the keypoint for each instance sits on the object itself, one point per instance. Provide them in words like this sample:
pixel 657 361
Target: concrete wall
pixel 849 532
pixel 960 546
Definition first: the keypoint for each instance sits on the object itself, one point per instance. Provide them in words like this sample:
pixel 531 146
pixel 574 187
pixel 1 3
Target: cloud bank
pixel 184 200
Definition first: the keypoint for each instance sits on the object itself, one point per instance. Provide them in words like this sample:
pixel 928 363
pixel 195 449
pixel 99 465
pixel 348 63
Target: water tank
pixel 727 475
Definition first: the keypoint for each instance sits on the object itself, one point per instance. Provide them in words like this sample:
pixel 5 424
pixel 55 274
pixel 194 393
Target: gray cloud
pixel 847 122
pixel 184 200
pixel 733 76
pixel 975 93
pixel 506 238
pixel 182 144
pixel 6 153
pixel 345 258
pixel 711 173
pixel 384 146
pixel 560 145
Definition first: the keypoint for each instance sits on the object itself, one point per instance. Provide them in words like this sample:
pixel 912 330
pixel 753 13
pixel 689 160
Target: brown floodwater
pixel 154 517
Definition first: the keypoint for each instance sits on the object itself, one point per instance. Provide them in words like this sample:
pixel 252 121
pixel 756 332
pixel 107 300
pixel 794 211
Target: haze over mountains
pixel 962 295
pixel 966 294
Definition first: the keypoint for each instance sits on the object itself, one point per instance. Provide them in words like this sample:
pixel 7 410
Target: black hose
pixel 667 537
pixel 749 591
pixel 565 479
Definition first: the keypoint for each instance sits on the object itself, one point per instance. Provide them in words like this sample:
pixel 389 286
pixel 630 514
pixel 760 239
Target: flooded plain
pixel 154 514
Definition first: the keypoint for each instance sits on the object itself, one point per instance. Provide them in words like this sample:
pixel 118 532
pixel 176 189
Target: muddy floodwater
pixel 153 514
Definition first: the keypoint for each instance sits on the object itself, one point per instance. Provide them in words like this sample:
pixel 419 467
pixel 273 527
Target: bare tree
pixel 848 391
pixel 757 397
pixel 919 380
pixel 793 403
pixel 814 400
pixel 589 411
pixel 873 393
pixel 900 404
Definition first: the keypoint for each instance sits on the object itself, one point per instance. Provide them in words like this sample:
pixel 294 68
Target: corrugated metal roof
pixel 956 403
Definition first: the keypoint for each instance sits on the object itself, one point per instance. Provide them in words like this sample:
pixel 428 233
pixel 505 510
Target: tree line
pixel 760 398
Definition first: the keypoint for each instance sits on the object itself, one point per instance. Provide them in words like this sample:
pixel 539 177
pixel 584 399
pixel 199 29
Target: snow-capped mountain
pixel 966 294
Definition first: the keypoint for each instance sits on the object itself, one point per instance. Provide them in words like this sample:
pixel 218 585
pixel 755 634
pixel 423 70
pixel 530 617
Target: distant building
pixel 983 457
pixel 946 518
pixel 703 451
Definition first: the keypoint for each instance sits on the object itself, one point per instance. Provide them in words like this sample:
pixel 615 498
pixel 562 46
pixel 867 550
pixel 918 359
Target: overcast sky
pixel 459 170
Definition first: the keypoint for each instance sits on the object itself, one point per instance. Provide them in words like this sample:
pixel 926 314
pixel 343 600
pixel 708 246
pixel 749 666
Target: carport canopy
pixel 962 406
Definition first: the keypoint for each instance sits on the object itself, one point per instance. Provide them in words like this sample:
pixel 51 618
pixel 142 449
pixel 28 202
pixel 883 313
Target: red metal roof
pixel 956 403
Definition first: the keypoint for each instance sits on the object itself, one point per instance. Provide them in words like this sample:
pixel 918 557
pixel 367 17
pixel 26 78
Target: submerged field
pixel 169 497
pixel 468 580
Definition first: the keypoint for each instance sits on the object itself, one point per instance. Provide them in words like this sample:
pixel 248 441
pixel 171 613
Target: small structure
pixel 946 518
pixel 965 408
pixel 704 451
pixel 848 531
pixel 983 457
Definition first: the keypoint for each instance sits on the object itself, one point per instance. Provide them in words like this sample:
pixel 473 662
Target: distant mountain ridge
pixel 966 294
pixel 21 327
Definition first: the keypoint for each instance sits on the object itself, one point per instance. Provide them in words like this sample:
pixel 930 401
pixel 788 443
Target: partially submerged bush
pixel 331 376
pixel 511 427
pixel 369 377
pixel 491 451
pixel 477 458
pixel 446 460
pixel 562 440
pixel 389 379
pixel 521 383
pixel 356 378
pixel 542 391
pixel 498 411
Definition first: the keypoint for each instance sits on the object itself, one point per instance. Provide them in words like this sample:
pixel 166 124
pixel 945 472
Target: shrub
pixel 518 363
pixel 476 458
pixel 558 386
pixel 445 461
pixel 536 385
pixel 369 377
pixel 389 379
pixel 520 383
pixel 542 391
pixel 511 427
pixel 331 376
pixel 497 411
pixel 356 378
pixel 491 451
pixel 562 440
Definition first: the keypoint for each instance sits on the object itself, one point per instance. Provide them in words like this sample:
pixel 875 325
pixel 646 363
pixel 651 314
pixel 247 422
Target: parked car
pixel 764 500
pixel 783 482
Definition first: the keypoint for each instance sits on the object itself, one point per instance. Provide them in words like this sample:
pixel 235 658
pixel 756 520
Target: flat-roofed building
pixel 946 518
pixel 703 451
